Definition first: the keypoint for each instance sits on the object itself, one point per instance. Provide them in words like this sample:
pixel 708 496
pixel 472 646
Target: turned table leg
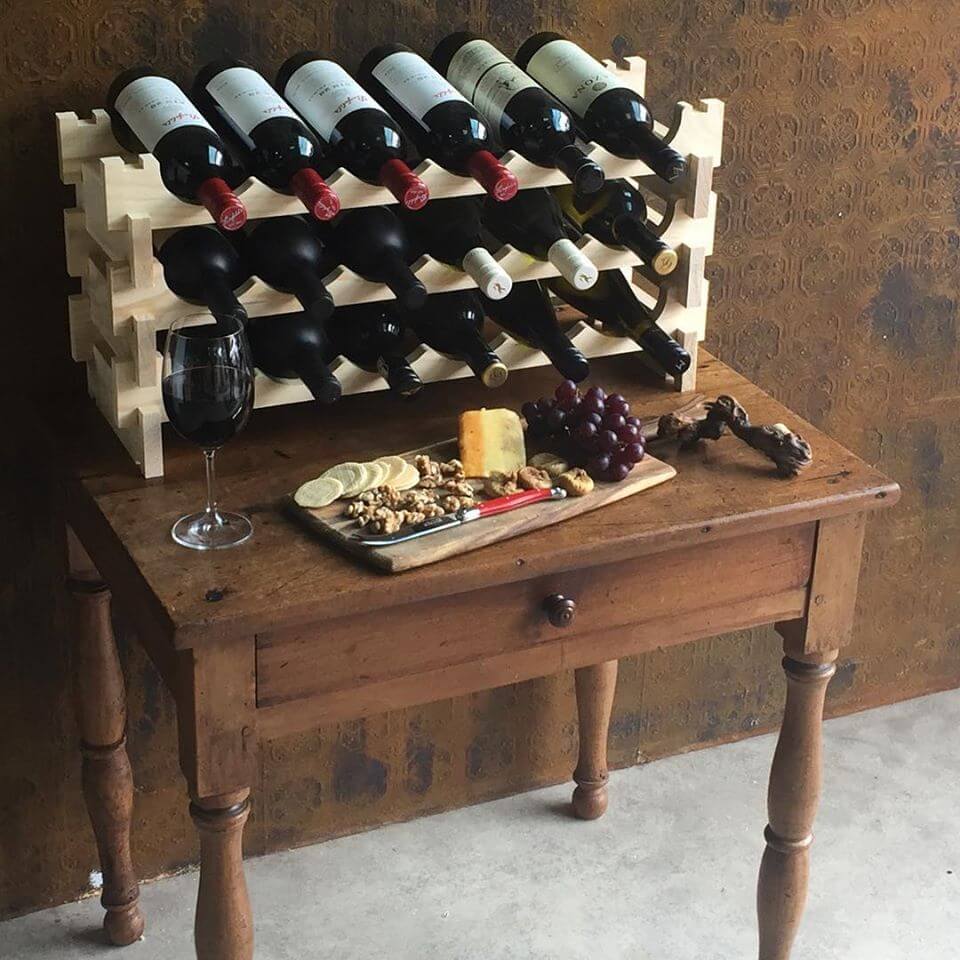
pixel 595 686
pixel 792 804
pixel 101 718
pixel 223 929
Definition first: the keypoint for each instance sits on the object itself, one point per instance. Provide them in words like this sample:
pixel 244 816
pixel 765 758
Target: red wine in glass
pixel 207 392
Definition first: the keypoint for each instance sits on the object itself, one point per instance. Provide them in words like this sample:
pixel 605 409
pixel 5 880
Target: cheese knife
pixel 488 508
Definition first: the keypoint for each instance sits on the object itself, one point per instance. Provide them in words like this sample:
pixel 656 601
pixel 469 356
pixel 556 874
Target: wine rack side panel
pixel 124 301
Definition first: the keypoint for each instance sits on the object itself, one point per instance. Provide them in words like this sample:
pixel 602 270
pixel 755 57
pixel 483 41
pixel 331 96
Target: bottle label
pixel 246 98
pixel 153 106
pixel 324 93
pixel 571 74
pixel 414 83
pixel 485 76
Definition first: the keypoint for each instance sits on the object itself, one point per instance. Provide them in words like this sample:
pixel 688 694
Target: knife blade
pixel 489 508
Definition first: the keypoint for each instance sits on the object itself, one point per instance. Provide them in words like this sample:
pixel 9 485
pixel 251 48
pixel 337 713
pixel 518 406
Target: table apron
pixel 421 652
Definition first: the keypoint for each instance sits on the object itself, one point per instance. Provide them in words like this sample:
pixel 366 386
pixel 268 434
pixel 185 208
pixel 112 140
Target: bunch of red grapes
pixel 592 430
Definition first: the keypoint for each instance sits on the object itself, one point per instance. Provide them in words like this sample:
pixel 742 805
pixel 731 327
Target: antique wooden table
pixel 282 634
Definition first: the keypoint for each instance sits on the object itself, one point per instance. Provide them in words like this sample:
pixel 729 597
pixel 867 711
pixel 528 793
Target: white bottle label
pixel 485 76
pixel 324 93
pixel 414 83
pixel 153 106
pixel 571 74
pixel 247 98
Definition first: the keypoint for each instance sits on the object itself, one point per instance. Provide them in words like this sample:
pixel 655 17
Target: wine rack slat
pixel 124 302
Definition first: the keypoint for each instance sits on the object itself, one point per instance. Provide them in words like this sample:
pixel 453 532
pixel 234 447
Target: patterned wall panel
pixel 834 286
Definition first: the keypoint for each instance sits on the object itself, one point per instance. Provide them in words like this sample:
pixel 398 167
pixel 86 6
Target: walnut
pixel 577 482
pixel 450 503
pixel 452 468
pixel 551 462
pixel 500 484
pixel 533 478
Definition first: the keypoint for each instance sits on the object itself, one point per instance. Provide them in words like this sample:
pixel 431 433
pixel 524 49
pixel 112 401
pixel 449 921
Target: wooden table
pixel 282 634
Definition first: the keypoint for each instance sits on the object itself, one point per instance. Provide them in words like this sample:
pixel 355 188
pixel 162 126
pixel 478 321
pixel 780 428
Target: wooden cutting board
pixel 329 523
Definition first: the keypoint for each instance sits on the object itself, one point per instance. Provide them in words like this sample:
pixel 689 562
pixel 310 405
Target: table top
pixel 283 576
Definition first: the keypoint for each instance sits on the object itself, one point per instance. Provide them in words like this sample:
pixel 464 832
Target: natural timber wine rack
pixel 121 203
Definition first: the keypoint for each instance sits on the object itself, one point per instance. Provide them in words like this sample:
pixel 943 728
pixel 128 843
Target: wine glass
pixel 208 394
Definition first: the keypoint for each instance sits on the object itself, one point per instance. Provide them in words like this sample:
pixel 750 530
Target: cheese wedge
pixel 491 441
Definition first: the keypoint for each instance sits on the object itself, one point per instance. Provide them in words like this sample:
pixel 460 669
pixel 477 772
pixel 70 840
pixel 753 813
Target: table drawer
pixel 498 635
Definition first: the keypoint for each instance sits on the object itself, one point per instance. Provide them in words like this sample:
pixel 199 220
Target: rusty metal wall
pixel 833 285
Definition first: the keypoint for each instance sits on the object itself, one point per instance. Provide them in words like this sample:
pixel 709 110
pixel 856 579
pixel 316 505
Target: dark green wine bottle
pixel 612 302
pixel 617 214
pixel 610 113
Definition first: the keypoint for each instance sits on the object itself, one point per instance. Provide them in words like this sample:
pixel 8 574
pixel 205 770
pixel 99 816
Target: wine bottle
pixel 371 336
pixel 202 266
pixel 294 346
pixel 612 302
pixel 151 114
pixel 525 117
pixel 528 315
pixel 274 144
pixel 451 324
pixel 287 254
pixel 608 112
pixel 617 214
pixel 371 241
pixel 449 230
pixel 533 222
pixel 441 122
pixel 363 137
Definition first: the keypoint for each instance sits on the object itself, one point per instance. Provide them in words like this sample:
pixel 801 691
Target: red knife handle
pixel 490 508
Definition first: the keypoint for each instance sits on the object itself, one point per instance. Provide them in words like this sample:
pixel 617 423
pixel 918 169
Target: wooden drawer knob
pixel 560 610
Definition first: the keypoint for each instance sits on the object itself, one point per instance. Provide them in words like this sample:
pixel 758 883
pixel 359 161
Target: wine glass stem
pixel 213 515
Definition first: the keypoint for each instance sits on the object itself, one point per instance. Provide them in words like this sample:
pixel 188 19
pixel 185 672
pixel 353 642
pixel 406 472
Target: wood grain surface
pixel 331 526
pixel 724 489
pixel 833 286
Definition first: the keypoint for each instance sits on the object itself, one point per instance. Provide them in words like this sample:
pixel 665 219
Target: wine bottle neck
pixel 397 275
pixel 400 376
pixel 638 237
pixel 586 175
pixel 310 365
pixel 665 350
pixel 221 299
pixel 313 295
pixel 662 159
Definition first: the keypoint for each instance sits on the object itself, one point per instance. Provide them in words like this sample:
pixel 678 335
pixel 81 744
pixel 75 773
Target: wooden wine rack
pixel 121 203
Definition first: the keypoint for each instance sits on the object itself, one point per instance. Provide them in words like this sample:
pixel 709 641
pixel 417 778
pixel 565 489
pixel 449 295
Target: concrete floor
pixel 668 873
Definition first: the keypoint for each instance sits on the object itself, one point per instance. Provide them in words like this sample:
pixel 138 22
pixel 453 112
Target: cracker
pixel 319 492
pixel 409 477
pixel 374 475
pixel 350 474
pixel 395 466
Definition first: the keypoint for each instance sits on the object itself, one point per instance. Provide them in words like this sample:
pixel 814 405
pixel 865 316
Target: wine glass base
pixel 203 531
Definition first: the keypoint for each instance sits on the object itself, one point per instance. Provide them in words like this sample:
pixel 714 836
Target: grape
pixel 613 421
pixel 592 404
pixel 544 405
pixel 570 405
pixel 633 421
pixel 555 419
pixel 596 393
pixel 607 441
pixel 530 411
pixel 616 404
pixel 598 465
pixel 566 391
pixel 617 471
pixel 593 418
pixel 586 436
pixel 538 429
pixel 628 433
pixel 631 453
